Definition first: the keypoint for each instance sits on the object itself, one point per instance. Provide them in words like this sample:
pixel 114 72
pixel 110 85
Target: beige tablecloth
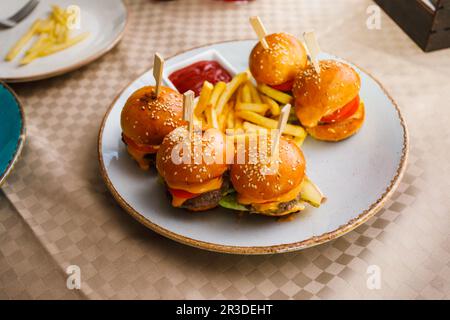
pixel 57 211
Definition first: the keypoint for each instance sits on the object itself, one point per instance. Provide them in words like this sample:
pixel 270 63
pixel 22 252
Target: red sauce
pixel 192 77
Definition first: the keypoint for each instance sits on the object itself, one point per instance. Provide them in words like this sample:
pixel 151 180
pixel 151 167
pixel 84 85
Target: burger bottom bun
pixel 340 130
pixel 296 209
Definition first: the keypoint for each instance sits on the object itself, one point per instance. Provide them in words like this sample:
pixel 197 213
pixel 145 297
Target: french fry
pixel 232 86
pixel 62 34
pixel 217 92
pixel 54 30
pixel 211 117
pixel 299 140
pixel 248 126
pixel 15 50
pixel 198 119
pixel 230 119
pixel 46 26
pixel 238 94
pixel 273 105
pixel 59 15
pixel 238 122
pixel 255 107
pixel 59 47
pixel 246 94
pixel 221 121
pixel 222 118
pixel 204 98
pixel 66 34
pixel 277 95
pixel 43 39
pixel 258 119
pixel 254 93
pixel 289 137
pixel 242 137
pixel 34 51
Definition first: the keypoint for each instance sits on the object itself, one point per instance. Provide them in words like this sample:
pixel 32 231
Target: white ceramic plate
pixel 105 19
pixel 357 175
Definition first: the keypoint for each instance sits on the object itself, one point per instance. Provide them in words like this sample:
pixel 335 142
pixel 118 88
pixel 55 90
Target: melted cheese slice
pixel 262 208
pixel 178 202
pixel 271 206
pixel 139 157
pixel 197 188
pixel 270 203
pixel 210 185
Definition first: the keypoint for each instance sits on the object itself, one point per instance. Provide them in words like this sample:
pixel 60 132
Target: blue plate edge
pixel 20 141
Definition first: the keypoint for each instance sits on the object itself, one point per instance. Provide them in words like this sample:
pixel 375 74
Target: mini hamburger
pixel 328 104
pixel 272 193
pixel 195 183
pixel 278 66
pixel 147 119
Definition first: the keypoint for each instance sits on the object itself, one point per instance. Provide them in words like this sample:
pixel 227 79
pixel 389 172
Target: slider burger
pixel 195 183
pixel 328 104
pixel 147 119
pixel 278 65
pixel 271 193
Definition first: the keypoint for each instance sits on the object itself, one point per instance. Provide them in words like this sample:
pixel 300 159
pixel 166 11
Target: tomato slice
pixel 343 113
pixel 139 147
pixel 182 193
pixel 285 87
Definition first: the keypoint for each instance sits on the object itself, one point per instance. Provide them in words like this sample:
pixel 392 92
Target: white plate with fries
pixel 356 175
pixel 58 36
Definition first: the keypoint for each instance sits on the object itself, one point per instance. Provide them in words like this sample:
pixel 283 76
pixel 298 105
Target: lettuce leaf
pixel 230 202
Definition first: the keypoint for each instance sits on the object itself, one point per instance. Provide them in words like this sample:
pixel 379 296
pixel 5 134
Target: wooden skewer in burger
pixel 149 114
pixel 277 58
pixel 192 164
pixel 327 101
pixel 275 185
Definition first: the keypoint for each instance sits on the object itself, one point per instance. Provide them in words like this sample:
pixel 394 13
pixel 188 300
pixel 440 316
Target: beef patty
pixel 208 199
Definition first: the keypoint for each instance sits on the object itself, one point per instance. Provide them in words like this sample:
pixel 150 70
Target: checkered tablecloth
pixel 55 210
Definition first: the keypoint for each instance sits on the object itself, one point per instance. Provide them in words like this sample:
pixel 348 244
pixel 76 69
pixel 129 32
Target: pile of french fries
pixel 240 104
pixel 53 35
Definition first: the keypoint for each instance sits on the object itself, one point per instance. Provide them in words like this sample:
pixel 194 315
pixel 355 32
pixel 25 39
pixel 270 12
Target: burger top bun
pixel 147 120
pixel 284 59
pixel 319 95
pixel 249 179
pixel 175 168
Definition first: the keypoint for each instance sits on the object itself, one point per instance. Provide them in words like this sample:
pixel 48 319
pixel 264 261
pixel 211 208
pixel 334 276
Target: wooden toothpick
pixel 313 49
pixel 158 67
pixel 260 31
pixel 188 110
pixel 282 121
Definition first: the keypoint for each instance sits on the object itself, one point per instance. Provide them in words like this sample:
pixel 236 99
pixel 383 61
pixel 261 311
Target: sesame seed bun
pixel 248 179
pixel 284 59
pixel 317 96
pixel 175 172
pixel 147 120
pixel 339 130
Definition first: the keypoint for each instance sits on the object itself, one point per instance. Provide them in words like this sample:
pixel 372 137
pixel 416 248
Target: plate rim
pixel 260 250
pixel 80 64
pixel 22 136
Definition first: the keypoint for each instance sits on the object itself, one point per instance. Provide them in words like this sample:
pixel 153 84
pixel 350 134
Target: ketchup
pixel 192 77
